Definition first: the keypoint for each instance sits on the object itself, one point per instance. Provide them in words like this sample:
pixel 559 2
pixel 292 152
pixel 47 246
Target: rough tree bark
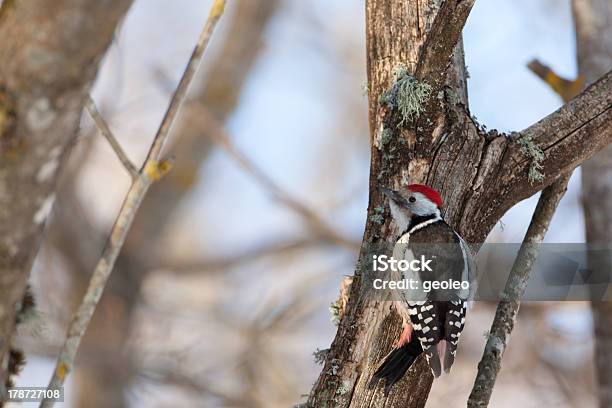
pixel 50 53
pixel 480 174
pixel 593 20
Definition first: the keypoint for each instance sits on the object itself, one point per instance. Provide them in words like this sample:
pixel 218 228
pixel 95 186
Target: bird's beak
pixel 395 196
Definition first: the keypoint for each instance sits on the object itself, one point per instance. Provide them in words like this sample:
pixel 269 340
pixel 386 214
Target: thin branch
pixel 151 171
pixel 108 134
pixel 181 90
pixel 437 51
pixel 508 307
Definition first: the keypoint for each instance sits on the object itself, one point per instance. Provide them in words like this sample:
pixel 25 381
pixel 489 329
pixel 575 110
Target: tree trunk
pixel 50 53
pixel 426 135
pixel 593 20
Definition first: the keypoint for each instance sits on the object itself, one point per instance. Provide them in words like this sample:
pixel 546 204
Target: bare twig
pixel 181 90
pixel 507 309
pixel 108 134
pixel 151 171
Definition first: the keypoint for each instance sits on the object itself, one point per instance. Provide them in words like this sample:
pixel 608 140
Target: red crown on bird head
pixel 431 194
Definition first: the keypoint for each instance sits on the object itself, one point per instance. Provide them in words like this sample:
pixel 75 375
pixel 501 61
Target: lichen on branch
pixel 407 95
pixel 533 151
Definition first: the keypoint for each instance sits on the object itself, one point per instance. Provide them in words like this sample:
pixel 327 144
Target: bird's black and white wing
pixel 438 315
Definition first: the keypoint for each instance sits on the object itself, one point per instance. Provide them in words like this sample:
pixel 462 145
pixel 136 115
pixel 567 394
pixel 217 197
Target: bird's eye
pixel 412 199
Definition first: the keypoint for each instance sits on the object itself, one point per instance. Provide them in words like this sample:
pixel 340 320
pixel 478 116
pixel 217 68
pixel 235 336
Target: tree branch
pixel 565 139
pixel 508 307
pixel 108 135
pixel 181 90
pixel 237 52
pixel 151 171
pixel 568 136
pixel 437 51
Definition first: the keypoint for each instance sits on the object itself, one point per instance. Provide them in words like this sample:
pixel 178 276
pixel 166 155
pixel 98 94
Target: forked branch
pixel 151 170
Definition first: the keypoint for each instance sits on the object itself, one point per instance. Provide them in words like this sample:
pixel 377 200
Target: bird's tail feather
pixel 396 363
pixel 433 359
pixel 449 359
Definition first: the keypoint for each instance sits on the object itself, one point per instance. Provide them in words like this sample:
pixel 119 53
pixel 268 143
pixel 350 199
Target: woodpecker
pixel 432 322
